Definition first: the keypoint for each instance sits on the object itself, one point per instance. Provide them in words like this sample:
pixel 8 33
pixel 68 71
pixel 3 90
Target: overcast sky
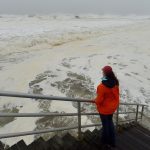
pixel 124 7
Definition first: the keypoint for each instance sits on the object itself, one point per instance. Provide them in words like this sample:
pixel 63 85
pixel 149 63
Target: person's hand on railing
pixel 93 101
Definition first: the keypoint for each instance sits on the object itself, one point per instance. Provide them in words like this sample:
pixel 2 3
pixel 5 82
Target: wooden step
pixel 131 137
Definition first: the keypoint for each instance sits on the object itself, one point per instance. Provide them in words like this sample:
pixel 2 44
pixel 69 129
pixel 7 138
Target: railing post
pixel 79 121
pixel 117 118
pixel 137 111
pixel 142 112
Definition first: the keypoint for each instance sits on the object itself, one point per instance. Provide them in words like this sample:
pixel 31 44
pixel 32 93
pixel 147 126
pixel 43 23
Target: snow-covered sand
pixel 41 54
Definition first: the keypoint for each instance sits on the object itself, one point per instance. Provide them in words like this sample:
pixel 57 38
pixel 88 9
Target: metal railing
pixel 78 114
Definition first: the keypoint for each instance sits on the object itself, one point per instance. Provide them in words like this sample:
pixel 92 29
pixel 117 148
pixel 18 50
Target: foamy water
pixel 24 32
pixel 33 59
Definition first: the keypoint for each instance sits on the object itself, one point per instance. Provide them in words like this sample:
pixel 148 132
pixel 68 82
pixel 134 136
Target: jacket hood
pixel 108 82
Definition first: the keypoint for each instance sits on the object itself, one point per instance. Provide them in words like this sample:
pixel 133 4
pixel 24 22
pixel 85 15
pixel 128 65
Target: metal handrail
pixel 51 114
pixel 39 96
pixel 78 114
pixel 43 114
pixel 48 97
pixel 9 135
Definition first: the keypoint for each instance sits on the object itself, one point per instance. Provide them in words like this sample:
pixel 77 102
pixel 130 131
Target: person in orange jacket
pixel 107 102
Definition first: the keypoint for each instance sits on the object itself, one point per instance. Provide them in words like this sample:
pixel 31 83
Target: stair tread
pixel 38 144
pixel 1 146
pixel 132 137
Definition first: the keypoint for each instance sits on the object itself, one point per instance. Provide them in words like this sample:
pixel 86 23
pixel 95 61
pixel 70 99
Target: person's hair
pixel 112 76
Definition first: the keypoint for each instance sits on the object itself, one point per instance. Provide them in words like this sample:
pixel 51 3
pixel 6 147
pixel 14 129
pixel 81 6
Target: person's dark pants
pixel 108 130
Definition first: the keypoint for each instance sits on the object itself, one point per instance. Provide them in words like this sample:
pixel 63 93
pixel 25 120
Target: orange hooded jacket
pixel 107 100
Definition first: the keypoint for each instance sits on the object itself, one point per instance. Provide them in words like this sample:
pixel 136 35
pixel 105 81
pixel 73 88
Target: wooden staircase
pixel 129 137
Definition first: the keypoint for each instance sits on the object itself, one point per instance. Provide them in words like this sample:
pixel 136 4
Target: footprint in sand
pixel 114 57
pixel 66 62
pixel 114 63
pixel 127 74
pixel 94 55
pixel 58 69
pixel 135 73
pixel 145 67
pixel 90 45
pixel 109 57
pixel 133 61
pixel 122 65
pixel 121 68
pixel 73 58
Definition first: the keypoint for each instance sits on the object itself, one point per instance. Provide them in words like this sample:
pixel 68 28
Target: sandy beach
pixel 45 69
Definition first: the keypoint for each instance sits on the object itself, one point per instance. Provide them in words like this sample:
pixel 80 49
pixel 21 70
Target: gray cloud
pixel 75 6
